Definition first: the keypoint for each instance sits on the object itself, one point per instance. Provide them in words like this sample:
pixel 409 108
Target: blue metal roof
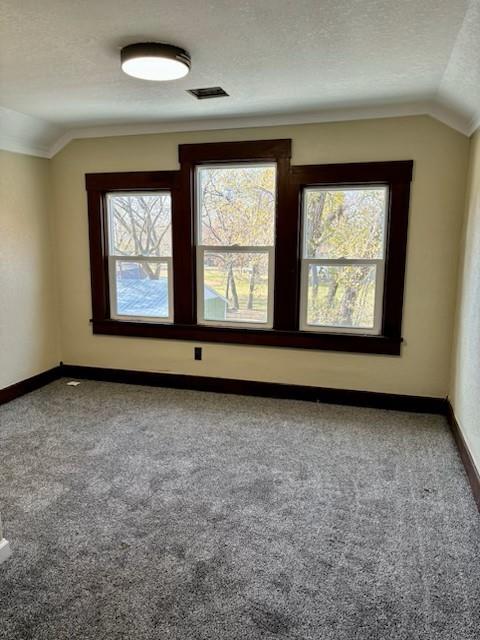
pixel 145 297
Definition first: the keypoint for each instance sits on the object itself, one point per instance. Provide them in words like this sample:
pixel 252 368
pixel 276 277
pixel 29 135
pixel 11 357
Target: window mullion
pixel 183 248
pixel 287 251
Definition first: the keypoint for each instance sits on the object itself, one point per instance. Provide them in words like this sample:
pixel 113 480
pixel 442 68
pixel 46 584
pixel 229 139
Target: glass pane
pixel 344 223
pixel 142 289
pixel 140 224
pixel 236 205
pixel 341 296
pixel 236 287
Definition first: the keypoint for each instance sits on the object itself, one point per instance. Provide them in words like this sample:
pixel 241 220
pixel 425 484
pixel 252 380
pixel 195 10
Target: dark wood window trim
pixel 397 177
pixel 192 155
pixel 98 185
pixel 290 184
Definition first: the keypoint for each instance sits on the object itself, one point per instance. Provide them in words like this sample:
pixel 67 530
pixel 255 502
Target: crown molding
pixel 17 145
pixel 37 137
pixel 459 83
pixel 331 115
pixel 474 124
pixel 21 133
pixel 452 118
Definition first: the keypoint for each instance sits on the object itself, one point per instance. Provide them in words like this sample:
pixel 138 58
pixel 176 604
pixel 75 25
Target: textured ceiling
pixel 59 59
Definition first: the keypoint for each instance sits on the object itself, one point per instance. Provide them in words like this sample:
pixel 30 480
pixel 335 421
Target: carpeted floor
pixel 138 513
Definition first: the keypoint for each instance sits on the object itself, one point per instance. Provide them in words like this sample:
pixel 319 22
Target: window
pixel 343 259
pixel 140 255
pixel 240 247
pixel 235 221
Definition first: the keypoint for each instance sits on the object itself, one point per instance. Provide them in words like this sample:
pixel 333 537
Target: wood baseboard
pixel 419 404
pixel 467 459
pixel 30 384
pixel 372 399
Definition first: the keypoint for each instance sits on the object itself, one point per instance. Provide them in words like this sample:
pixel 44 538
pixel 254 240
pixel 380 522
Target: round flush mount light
pixel 155 61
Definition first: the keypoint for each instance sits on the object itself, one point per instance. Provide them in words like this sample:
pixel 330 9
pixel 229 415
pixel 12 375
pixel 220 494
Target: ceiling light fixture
pixel 155 61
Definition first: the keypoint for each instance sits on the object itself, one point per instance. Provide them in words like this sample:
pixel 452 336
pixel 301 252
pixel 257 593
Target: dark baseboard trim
pixel 470 468
pixel 349 397
pixel 30 384
pixel 264 389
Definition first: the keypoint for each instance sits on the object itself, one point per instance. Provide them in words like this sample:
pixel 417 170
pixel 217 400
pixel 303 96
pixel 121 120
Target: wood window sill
pixel 353 343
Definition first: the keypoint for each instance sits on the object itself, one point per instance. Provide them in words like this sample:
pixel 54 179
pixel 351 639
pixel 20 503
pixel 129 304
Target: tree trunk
pixel 315 281
pixel 252 287
pixel 348 304
pixel 332 292
pixel 152 273
pixel 233 287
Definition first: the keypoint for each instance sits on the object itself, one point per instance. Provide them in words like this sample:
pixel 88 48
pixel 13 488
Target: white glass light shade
pixel 155 61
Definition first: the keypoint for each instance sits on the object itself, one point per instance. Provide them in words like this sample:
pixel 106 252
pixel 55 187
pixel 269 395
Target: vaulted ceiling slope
pixel 281 62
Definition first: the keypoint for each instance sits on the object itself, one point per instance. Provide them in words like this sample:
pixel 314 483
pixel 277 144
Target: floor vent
pixel 208 92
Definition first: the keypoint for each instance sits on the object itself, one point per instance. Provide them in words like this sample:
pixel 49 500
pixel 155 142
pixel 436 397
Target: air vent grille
pixel 208 92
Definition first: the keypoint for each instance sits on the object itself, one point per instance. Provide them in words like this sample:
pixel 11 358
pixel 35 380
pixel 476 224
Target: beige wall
pixel 28 311
pixel 440 156
pixel 465 384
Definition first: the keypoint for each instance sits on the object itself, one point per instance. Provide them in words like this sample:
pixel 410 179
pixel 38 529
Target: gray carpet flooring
pixel 141 513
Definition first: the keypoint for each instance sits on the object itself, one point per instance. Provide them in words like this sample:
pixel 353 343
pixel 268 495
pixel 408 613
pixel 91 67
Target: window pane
pixel 236 205
pixel 236 287
pixel 140 224
pixel 344 223
pixel 142 289
pixel 341 296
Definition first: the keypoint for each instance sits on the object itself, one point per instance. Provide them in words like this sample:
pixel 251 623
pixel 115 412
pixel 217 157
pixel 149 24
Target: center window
pixel 235 228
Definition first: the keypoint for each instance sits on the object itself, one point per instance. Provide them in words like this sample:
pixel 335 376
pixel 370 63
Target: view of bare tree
pixel 141 226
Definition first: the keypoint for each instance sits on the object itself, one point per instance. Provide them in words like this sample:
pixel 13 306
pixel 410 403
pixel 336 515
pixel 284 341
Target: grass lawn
pixel 217 279
pixel 318 312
